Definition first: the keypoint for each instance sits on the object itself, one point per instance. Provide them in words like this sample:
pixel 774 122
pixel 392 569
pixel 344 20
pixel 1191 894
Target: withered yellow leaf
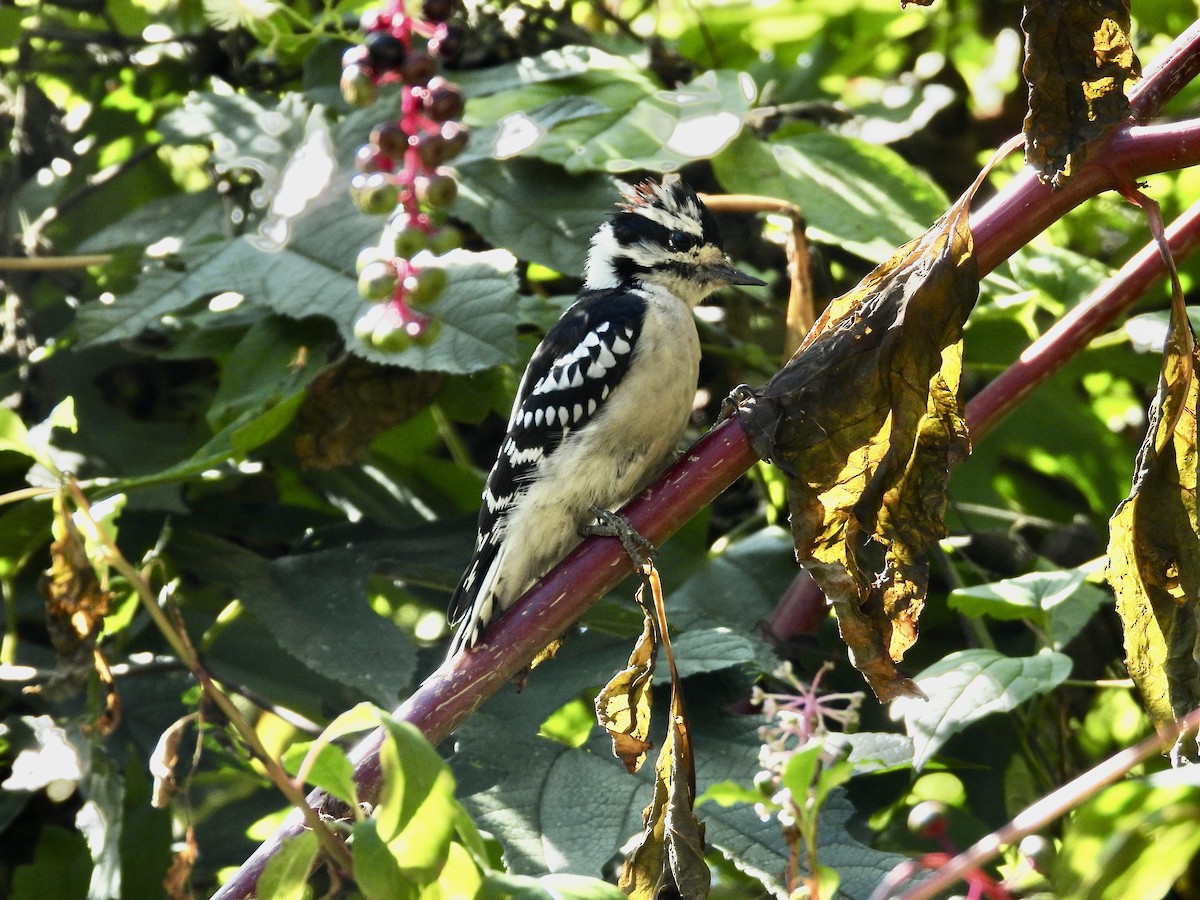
pixel 1078 57
pixel 865 421
pixel 623 705
pixel 1154 539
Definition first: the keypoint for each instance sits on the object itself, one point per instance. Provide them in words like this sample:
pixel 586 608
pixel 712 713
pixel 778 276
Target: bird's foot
pixel 609 524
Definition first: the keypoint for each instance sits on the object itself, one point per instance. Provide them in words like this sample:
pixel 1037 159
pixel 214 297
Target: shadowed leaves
pixel 865 421
pixel 1078 57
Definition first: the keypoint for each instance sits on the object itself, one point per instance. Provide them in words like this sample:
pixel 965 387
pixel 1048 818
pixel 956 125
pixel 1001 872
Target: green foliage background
pixel 207 168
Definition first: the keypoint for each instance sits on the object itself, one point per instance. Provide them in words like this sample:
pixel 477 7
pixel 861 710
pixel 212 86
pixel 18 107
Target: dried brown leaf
pixel 623 705
pixel 865 421
pixel 669 856
pixel 350 402
pixel 1078 57
pixel 1154 538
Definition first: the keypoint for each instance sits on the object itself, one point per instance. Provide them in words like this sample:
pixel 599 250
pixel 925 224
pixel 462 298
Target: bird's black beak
pixel 727 273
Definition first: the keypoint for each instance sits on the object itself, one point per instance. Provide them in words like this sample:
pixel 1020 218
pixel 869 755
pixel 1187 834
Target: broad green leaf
pixel 375 870
pixel 863 198
pixel 60 859
pixel 967 685
pixel 331 771
pixel 459 877
pixel 286 874
pixel 416 811
pixel 661 132
pixel 873 751
pixel 594 66
pixel 315 606
pixel 1058 603
pixel 552 225
pixel 1134 839
pixel 713 649
pixel 14 435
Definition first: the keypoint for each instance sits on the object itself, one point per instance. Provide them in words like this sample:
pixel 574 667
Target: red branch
pixel 1014 216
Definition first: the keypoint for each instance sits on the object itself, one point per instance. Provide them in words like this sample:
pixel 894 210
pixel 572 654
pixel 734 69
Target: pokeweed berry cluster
pixel 401 169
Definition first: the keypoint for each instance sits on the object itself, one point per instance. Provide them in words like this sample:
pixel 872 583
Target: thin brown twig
pixel 182 646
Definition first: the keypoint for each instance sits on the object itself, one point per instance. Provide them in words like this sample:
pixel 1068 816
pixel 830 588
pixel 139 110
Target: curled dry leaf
pixel 866 423
pixel 76 604
pixel 668 859
pixel 1078 57
pixel 623 705
pixel 1154 538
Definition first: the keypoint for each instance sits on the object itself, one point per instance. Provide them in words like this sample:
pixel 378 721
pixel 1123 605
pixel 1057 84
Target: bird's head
pixel 662 234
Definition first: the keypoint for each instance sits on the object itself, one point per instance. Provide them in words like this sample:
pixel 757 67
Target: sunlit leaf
pixel 286 874
pixel 1059 603
pixel 1134 839
pixel 967 685
pixel 863 198
pixel 416 811
pixel 1078 57
pixel 868 471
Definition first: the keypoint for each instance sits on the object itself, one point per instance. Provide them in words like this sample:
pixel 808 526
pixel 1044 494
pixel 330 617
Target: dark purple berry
pixel 386 53
pixel 418 69
pixel 455 134
pixel 437 10
pixel 447 42
pixel 444 102
pixel 391 140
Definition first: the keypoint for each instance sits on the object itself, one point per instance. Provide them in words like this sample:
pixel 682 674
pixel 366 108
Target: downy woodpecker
pixel 604 399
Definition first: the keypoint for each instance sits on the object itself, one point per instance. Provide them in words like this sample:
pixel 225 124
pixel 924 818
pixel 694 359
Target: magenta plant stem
pixel 1021 210
pixel 1079 327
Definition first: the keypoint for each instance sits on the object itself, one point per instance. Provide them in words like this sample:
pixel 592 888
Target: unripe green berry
pixel 364 325
pixel 358 85
pixel 425 286
pixel 390 335
pixel 409 241
pixel 373 194
pixel 928 819
pixel 444 240
pixel 438 191
pixel 377 281
pixel 429 331
pixel 366 256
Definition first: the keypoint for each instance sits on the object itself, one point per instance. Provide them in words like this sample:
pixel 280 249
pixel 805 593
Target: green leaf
pixel 873 751
pixel 286 874
pixel 661 132
pixel 331 771
pixel 713 649
pixel 375 870
pixel 571 64
pixel 1059 603
pixel 1134 839
pixel 60 860
pixel 863 198
pixel 417 810
pixel 965 686
pixel 551 226
pixel 315 606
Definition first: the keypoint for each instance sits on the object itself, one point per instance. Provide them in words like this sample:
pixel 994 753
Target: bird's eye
pixel 680 241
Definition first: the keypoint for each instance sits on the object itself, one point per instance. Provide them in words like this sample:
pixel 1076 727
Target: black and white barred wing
pixel 581 360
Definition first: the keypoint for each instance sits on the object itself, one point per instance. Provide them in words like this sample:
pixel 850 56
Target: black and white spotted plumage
pixel 603 400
